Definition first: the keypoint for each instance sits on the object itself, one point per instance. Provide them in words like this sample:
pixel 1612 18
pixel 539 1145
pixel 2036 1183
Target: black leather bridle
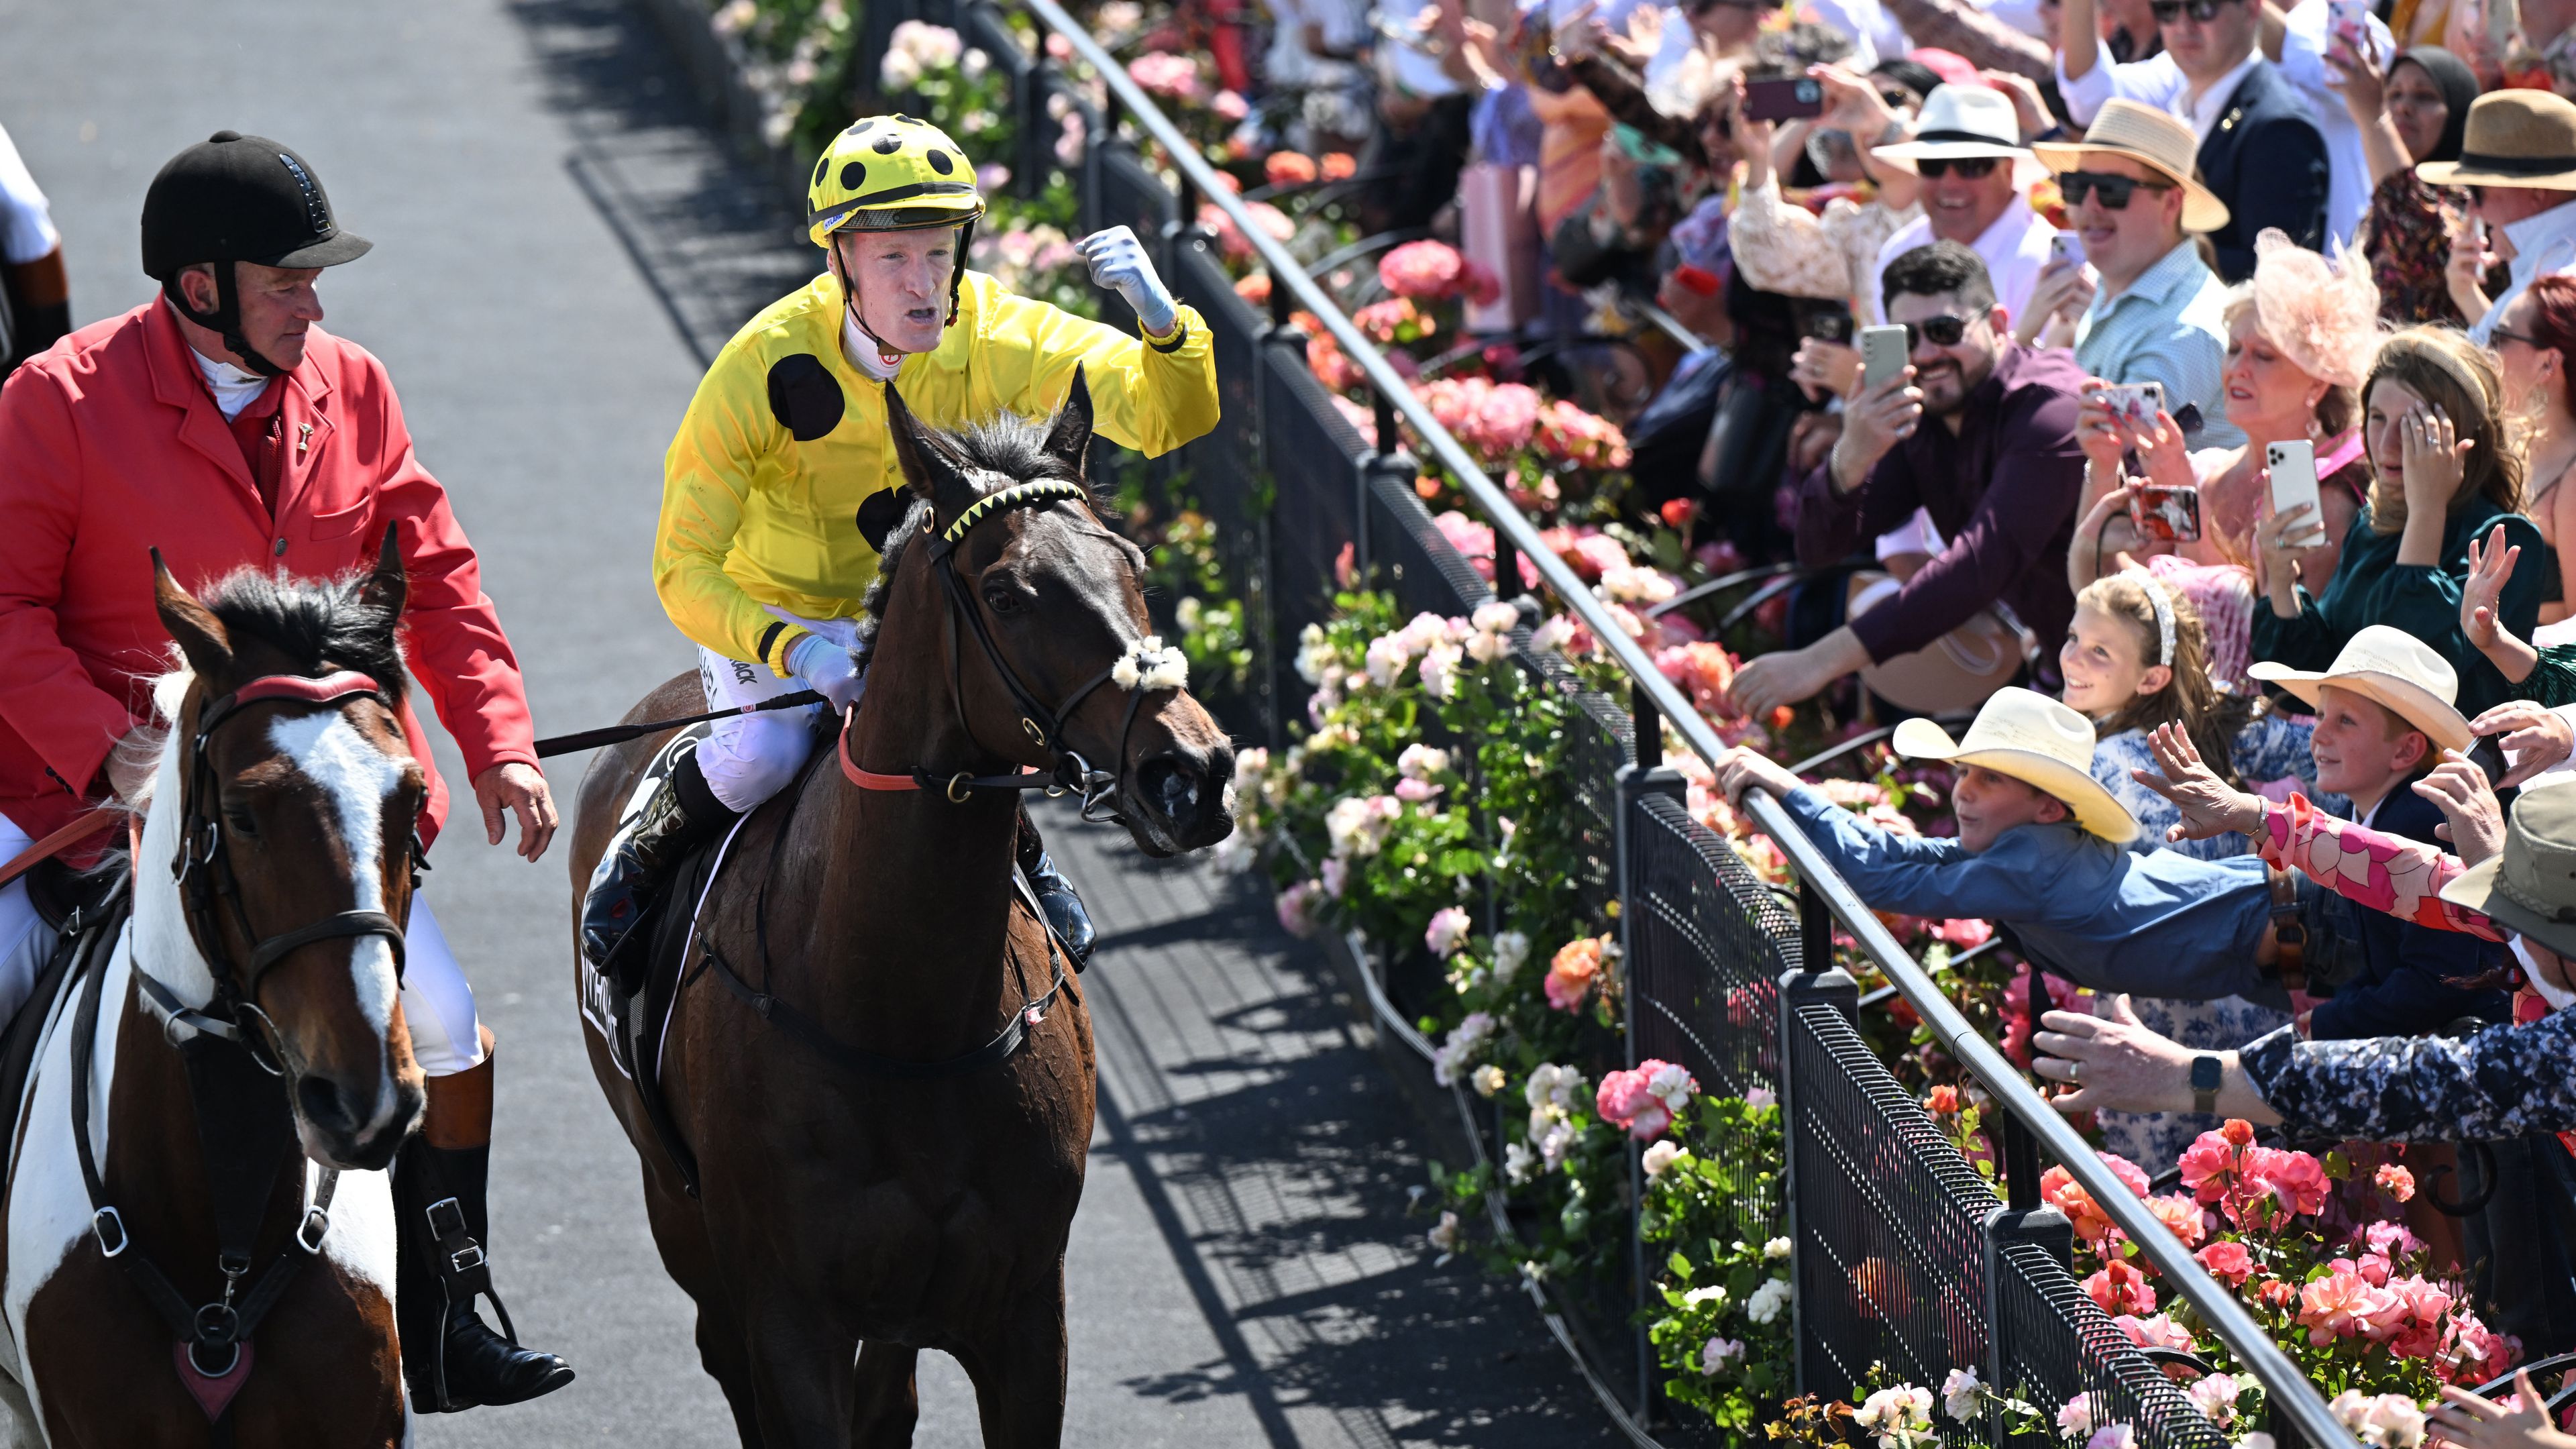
pixel 204 874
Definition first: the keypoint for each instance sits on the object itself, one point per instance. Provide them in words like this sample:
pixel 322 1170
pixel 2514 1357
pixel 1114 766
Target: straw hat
pixel 2531 884
pixel 2514 138
pixel 2151 138
pixel 2396 670
pixel 1957 122
pixel 2037 741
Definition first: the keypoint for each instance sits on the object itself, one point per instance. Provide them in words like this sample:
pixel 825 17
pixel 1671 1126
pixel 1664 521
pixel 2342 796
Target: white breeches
pixel 751 757
pixel 436 1001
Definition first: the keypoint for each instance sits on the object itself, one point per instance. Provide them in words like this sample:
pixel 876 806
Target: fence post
pixel 2047 1229
pixel 1388 460
pixel 1836 988
pixel 1635 783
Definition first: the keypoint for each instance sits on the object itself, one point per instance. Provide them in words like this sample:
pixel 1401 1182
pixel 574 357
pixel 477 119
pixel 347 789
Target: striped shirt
pixel 2168 327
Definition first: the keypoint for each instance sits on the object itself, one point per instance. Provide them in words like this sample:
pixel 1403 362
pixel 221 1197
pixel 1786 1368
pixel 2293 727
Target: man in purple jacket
pixel 1999 474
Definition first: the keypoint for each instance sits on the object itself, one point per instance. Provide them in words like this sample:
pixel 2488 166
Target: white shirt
pixel 2159 82
pixel 234 389
pixel 2204 108
pixel 2542 244
pixel 26 221
pixel 862 350
pixel 2014 249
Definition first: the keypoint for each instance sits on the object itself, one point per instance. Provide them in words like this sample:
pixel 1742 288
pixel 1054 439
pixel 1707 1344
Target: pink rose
pixel 2340 1305
pixel 2119 1288
pixel 2227 1259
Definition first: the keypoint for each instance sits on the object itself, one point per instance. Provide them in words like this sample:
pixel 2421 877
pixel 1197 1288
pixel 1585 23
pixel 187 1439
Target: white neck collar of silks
pixel 864 352
pixel 1150 664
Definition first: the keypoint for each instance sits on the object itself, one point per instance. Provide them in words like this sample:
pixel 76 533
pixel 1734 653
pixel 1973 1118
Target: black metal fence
pixel 1903 1254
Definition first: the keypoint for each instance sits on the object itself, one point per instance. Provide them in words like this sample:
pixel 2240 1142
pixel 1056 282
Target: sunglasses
pixel 2115 191
pixel 1970 168
pixel 2169 11
pixel 2498 334
pixel 1942 331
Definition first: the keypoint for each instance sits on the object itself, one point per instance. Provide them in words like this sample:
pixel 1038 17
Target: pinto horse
pixel 284 777
pixel 915 1187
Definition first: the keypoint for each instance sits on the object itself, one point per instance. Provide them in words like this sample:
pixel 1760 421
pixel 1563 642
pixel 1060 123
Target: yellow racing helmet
pixel 893 173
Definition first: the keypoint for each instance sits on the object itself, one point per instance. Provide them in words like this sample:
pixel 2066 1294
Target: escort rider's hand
pixel 827 669
pixel 514 788
pixel 1118 262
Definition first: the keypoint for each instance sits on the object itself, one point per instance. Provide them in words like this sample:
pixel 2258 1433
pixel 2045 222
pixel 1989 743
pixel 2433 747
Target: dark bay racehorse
pixel 285 771
pixel 852 1216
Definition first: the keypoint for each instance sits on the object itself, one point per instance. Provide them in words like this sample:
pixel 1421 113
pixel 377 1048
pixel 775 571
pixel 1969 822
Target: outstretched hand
pixel 2210 806
pixel 2489 568
pixel 2113 1061
pixel 2475 1423
pixel 2473 820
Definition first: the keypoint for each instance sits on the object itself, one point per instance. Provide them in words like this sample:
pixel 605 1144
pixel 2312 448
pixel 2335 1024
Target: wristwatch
pixel 2206 1073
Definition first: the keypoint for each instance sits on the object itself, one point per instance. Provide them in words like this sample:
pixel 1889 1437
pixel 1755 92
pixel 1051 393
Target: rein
pixel 245 1132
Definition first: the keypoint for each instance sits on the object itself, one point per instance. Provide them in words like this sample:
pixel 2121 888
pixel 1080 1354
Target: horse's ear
pixel 386 588
pixel 927 466
pixel 1068 440
pixel 199 634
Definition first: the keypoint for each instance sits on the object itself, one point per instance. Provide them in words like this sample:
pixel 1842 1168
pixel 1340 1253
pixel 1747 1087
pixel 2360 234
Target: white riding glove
pixel 827 669
pixel 1118 262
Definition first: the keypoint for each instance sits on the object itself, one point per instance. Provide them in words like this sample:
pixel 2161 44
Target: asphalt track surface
pixel 559 245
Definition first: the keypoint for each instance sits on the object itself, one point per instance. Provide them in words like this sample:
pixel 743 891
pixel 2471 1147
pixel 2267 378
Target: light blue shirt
pixel 2169 327
pixel 2542 244
pixel 2153 923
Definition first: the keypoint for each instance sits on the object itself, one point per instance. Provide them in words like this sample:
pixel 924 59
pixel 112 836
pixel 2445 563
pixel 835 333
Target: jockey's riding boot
pixel 1063 908
pixel 682 812
pixel 451 1360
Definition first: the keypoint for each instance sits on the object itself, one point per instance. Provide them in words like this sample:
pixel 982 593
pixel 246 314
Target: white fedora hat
pixel 1960 121
pixel 2395 669
pixel 2037 741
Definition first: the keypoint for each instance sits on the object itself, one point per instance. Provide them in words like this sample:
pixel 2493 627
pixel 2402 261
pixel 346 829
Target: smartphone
pixel 2294 481
pixel 2170 515
pixel 2066 246
pixel 1789 99
pixel 1882 354
pixel 2348 26
pixel 2135 403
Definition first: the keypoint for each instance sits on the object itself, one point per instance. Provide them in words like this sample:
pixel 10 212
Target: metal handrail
pixel 2285 1386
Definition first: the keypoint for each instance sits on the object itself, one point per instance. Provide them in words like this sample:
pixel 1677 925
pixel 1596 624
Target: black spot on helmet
pixel 862 128
pixel 804 397
pixel 942 162
pixel 852 175
pixel 888 145
pixel 819 163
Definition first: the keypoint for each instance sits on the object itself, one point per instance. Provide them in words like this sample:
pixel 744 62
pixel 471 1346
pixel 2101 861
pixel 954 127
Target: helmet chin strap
pixel 225 320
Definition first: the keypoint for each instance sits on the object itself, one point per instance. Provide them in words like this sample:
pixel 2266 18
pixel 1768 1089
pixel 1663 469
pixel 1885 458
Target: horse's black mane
pixel 1010 446
pixel 316 623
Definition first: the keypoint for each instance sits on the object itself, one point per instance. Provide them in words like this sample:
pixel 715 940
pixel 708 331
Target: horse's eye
pixel 239 820
pixel 1002 601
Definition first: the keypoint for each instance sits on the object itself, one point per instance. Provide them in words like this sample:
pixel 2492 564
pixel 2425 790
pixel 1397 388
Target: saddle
pixel 77 905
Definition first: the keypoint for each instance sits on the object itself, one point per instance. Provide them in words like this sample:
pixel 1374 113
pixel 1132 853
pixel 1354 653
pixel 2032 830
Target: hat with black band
pixel 1959 123
pixel 2513 138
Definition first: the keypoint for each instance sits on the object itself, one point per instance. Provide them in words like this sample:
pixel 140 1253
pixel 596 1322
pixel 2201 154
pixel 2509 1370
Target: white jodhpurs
pixel 750 757
pixel 436 1001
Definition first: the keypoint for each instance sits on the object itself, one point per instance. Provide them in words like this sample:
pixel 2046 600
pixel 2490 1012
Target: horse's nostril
pixel 323 1104
pixel 1173 790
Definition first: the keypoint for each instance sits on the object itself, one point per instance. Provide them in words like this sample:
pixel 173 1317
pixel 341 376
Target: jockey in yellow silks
pixel 760 558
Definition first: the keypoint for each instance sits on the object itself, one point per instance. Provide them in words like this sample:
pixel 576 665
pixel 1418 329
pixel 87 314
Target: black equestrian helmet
pixel 237 198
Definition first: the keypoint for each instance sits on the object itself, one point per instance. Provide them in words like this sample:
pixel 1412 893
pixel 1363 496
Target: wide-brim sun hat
pixel 2393 669
pixel 1958 122
pixel 2033 739
pixel 2513 138
pixel 2160 142
pixel 2530 885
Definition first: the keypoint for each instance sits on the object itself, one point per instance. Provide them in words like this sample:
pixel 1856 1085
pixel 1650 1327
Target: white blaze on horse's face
pixel 359 778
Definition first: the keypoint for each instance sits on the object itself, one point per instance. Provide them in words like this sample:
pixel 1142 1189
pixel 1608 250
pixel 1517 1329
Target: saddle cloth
pixel 76 904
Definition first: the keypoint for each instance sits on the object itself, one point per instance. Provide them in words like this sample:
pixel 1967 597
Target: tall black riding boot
pixel 681 813
pixel 450 1359
pixel 1063 908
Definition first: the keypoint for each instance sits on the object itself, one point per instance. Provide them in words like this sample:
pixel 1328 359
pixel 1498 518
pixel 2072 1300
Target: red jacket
pixel 111 445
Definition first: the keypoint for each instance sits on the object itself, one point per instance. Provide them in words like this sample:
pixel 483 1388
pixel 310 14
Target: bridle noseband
pixel 1045 726
pixel 203 872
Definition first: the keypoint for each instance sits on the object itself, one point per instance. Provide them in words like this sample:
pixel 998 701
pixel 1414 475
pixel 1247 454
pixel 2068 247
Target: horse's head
pixel 1051 609
pixel 287 798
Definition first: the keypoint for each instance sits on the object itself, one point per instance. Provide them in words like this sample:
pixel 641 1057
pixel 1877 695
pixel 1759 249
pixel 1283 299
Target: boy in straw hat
pixel 2384 717
pixel 2518 160
pixel 2042 849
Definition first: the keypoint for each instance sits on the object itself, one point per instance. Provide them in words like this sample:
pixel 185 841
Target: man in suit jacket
pixel 2261 149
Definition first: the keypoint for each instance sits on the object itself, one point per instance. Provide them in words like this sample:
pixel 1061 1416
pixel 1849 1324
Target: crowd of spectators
pixel 2284 783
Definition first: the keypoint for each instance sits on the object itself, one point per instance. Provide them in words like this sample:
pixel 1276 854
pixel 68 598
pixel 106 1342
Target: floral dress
pixel 2407 237
pixel 2272 747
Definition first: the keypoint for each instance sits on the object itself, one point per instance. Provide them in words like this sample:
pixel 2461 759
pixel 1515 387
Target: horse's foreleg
pixel 889 1397
pixel 801 1365
pixel 1019 1376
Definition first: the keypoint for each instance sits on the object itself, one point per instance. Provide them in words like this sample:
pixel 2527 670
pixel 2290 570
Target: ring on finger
pixel 2075 1073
